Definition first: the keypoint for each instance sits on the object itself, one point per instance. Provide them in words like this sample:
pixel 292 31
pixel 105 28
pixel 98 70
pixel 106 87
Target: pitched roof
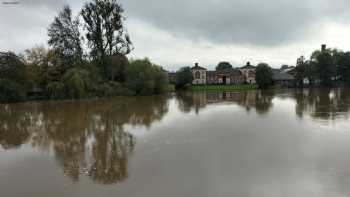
pixel 196 67
pixel 229 71
pixel 282 76
pixel 248 66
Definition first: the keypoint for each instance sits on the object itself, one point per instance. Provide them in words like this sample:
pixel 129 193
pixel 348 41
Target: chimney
pixel 248 63
pixel 323 47
pixel 196 64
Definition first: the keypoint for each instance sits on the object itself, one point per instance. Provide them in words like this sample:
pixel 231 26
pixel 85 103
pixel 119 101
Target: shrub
pixel 145 78
pixel 56 90
pixel 117 67
pixel 11 91
pixel 184 78
pixel 161 84
pixel 77 82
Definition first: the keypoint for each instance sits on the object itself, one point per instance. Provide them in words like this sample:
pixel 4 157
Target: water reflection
pixel 91 138
pixel 15 125
pixel 261 101
pixel 326 104
pixel 86 137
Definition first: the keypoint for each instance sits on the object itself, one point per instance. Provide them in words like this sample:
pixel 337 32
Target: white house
pixel 199 75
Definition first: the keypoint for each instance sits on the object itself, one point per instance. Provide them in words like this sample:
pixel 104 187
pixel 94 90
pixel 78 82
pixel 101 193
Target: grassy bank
pixel 223 87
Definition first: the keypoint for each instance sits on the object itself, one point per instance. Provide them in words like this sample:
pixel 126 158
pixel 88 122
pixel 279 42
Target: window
pixel 197 75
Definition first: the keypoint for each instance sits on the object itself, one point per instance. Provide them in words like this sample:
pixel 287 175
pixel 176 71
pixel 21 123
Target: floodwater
pixel 290 143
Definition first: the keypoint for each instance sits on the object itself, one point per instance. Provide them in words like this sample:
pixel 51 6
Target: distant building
pixel 287 69
pixel 249 73
pixel 199 75
pixel 202 76
pixel 282 78
pixel 229 76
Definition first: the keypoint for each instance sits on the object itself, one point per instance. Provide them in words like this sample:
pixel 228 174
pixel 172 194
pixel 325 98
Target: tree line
pixel 327 67
pixel 87 56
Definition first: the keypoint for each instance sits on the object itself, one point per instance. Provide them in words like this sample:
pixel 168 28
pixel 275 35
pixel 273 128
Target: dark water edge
pixel 285 142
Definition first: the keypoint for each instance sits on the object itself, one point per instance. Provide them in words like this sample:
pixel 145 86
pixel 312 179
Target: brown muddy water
pixel 290 143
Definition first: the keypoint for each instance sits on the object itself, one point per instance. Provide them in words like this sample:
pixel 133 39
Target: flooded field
pixel 287 143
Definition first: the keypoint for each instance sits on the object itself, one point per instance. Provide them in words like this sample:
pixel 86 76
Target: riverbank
pixel 223 87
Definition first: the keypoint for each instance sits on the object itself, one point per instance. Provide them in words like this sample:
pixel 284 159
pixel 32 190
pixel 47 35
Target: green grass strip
pixel 222 87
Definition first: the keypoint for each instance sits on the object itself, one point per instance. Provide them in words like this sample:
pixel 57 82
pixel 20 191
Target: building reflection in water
pixel 90 138
pixel 327 104
pixel 261 101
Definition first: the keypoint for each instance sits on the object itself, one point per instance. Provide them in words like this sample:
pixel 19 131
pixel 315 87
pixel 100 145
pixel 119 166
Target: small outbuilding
pixel 283 79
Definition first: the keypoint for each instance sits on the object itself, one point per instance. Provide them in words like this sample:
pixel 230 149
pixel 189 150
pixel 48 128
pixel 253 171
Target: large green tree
pixel 65 39
pixel 36 61
pixel 343 68
pixel 263 76
pixel 301 71
pixel 117 69
pixel 11 67
pixel 325 66
pixel 12 78
pixel 305 69
pixel 106 33
pixel 223 66
pixel 145 78
pixel 36 55
pixel 184 78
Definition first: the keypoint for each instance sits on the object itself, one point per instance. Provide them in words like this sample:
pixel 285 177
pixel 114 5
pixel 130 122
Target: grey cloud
pixel 221 22
pixel 46 4
pixel 254 22
pixel 25 24
pixel 37 4
pixel 42 2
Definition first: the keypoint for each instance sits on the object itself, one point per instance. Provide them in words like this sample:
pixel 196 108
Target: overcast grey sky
pixel 175 33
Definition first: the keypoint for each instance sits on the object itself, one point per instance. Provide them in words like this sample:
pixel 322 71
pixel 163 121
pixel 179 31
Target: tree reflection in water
pixel 16 125
pixel 110 151
pixel 90 137
pixel 86 137
pixel 326 104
